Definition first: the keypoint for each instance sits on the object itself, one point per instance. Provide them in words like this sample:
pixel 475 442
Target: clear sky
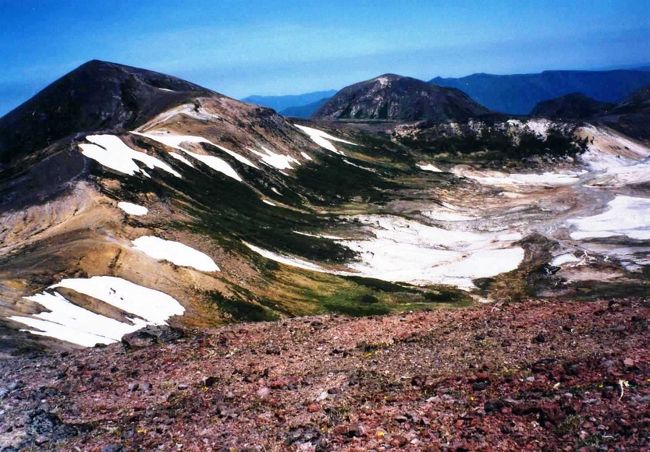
pixel 288 47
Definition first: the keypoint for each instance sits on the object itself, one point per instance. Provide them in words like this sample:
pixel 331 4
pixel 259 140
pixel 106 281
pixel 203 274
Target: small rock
pixel 480 385
pixel 539 339
pixel 399 441
pixel 210 381
pixel 112 448
pixel 263 392
pixel 149 335
pixel 313 407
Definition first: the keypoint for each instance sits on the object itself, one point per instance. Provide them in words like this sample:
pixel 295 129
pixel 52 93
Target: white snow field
pixel 403 250
pixel 152 305
pixel 72 323
pixel 323 139
pixel 625 216
pixel 111 151
pixel 175 252
pixel 407 251
pixel 132 209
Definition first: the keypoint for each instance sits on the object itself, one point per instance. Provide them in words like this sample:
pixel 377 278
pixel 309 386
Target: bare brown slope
pixel 530 376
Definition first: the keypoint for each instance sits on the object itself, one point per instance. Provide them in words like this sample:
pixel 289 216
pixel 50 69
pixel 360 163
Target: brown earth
pixel 528 376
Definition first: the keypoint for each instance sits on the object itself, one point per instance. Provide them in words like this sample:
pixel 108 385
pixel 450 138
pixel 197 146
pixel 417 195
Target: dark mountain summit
pixel 519 93
pixel 570 106
pixel 394 97
pixel 96 95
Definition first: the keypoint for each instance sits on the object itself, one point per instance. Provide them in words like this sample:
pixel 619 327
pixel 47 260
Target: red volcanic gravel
pixel 528 376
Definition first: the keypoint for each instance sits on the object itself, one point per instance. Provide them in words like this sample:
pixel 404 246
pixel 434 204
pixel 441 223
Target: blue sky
pixel 287 47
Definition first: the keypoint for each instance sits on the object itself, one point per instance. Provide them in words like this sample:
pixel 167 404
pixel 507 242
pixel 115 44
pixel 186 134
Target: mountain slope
pixel 97 95
pixel 632 116
pixel 395 97
pixel 200 210
pixel 519 93
pixel 280 103
pixel 570 106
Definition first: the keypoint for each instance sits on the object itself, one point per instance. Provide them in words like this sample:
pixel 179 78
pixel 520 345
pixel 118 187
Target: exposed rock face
pixel 571 106
pixel 395 97
pixel 97 95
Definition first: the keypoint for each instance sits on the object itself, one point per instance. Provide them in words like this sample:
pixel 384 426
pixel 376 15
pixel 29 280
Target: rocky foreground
pixel 535 375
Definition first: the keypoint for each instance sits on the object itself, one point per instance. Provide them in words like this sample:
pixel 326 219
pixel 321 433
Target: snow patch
pixel 266 201
pixel 151 305
pixel 68 322
pixel 132 209
pixel 319 236
pixel 71 323
pixel 176 253
pixel 278 161
pixel 174 141
pixel 567 258
pixel 286 260
pixel 429 167
pixel 216 164
pixel 323 139
pixel 111 151
pixel 180 158
pixel 625 216
pixel 359 166
pixel 499 179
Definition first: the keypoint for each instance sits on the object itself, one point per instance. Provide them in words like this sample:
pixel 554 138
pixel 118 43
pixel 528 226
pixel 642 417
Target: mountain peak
pixel 396 97
pixel 97 95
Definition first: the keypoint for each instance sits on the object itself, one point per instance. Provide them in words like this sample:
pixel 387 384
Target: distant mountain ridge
pixel 281 103
pixel 304 111
pixel 395 97
pixel 519 93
